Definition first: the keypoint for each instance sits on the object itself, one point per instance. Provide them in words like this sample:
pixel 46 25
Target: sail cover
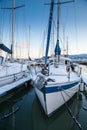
pixel 57 49
pixel 4 48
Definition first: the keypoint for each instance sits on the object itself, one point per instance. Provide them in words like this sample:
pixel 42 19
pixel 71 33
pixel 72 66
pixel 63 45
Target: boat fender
pixel 41 65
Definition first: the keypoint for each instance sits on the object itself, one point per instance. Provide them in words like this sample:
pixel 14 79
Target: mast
pixel 58 16
pixel 29 45
pixel 58 22
pixel 13 23
pixel 49 29
pixel 67 48
pixel 13 18
pixel 64 40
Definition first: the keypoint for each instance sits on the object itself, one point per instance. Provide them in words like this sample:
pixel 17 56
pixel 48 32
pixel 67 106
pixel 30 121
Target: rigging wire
pixel 76 32
pixel 42 46
pixel 20 28
pixel 27 30
pixel 63 25
pixel 70 112
pixel 55 27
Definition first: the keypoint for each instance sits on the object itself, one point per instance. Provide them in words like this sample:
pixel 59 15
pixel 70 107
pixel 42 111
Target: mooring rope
pixel 67 93
pixel 84 108
pixel 70 112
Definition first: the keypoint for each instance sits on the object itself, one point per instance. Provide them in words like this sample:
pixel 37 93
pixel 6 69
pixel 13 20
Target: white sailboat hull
pixel 51 101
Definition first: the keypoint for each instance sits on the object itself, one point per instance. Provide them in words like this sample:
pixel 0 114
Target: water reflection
pixel 11 110
pixel 31 116
pixel 85 94
pixel 60 120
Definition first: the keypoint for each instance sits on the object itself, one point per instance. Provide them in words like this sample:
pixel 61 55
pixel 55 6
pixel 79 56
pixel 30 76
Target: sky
pixel 31 25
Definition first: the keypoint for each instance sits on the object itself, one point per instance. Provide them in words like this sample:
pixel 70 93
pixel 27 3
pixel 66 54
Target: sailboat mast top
pixel 58 12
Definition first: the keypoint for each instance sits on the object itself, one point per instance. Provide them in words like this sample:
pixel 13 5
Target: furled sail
pixel 57 49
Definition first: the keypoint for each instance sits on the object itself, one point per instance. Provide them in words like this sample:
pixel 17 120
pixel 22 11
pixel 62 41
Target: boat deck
pixel 60 75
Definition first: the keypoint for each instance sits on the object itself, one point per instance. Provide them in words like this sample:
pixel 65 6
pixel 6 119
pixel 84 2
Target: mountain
pixel 78 56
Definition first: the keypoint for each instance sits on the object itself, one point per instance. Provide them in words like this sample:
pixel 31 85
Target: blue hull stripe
pixel 58 88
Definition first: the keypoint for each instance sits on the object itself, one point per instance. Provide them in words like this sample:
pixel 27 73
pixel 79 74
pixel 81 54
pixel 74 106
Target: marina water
pixel 24 112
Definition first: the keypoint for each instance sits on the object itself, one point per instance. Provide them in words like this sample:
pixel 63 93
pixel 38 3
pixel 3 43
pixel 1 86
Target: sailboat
pixel 12 73
pixel 58 81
